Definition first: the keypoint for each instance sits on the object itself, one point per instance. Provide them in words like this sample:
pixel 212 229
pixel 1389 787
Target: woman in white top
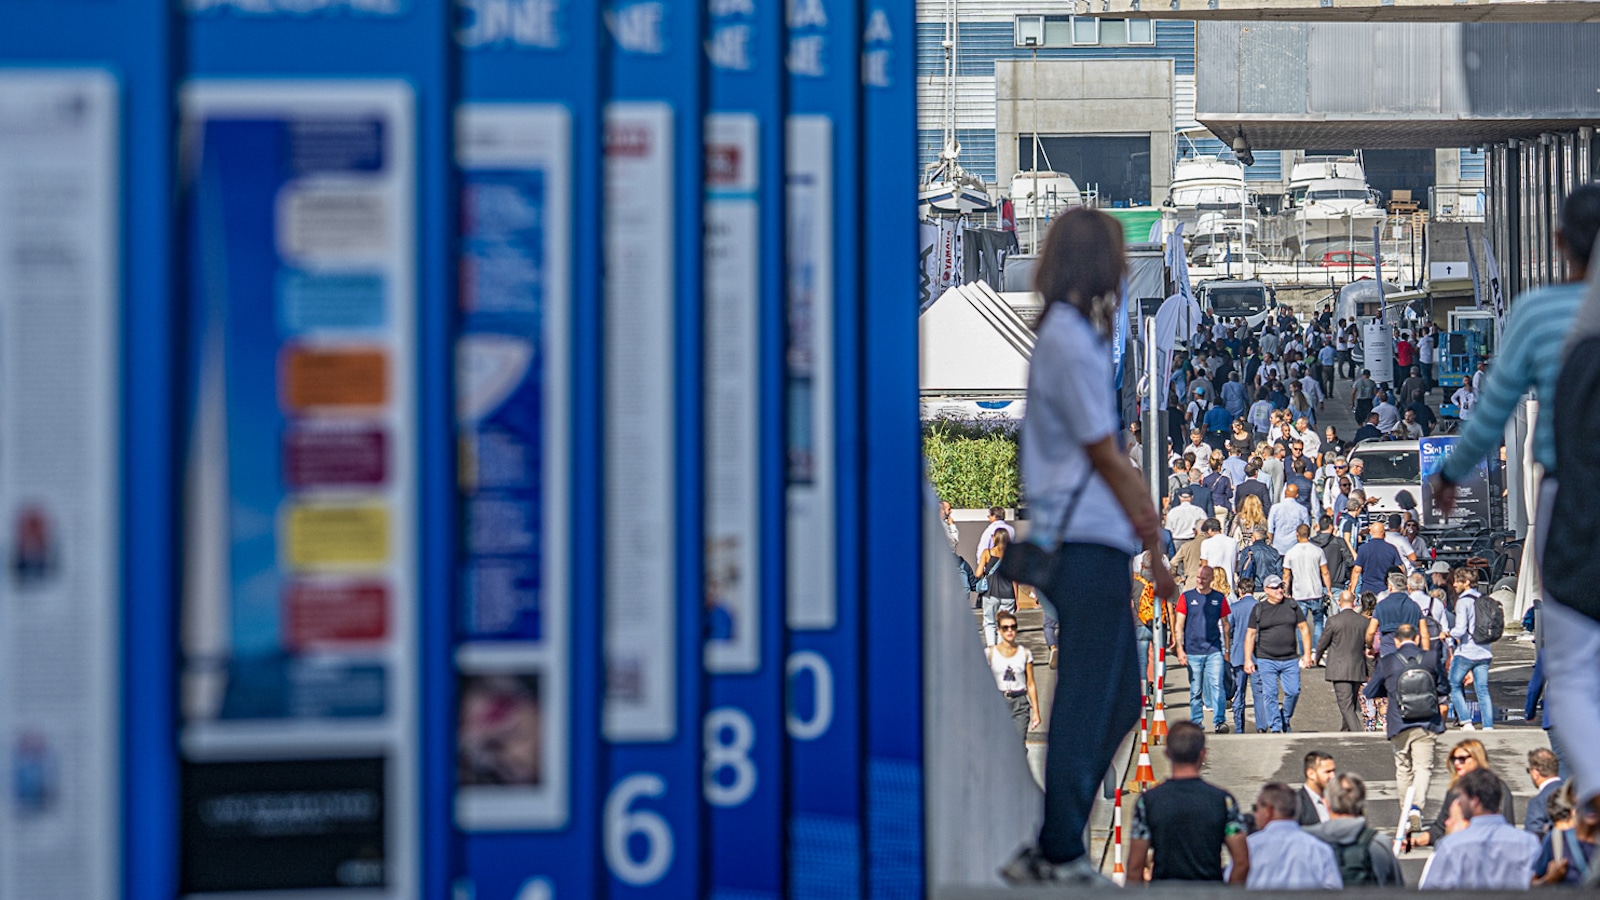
pixel 1012 667
pixel 1089 505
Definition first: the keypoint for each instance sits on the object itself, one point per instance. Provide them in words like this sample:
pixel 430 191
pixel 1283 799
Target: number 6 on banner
pixel 621 825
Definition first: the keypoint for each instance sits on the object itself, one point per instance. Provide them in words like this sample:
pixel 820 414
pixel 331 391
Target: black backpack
pixel 1355 860
pixel 1571 567
pixel 1488 620
pixel 1417 692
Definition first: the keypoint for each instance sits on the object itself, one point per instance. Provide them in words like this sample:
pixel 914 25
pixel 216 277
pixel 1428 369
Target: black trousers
pixel 1346 697
pixel 1097 689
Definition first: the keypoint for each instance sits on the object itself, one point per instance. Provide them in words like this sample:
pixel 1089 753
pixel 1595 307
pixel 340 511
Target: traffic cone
pixel 1158 725
pixel 1119 875
pixel 1145 774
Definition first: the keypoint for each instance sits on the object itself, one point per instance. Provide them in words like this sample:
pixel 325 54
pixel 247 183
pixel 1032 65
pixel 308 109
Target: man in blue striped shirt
pixel 1538 324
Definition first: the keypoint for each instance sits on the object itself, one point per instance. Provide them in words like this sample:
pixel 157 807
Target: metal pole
pixel 1153 455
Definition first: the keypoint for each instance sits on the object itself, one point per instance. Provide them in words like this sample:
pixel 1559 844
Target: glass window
pixel 1057 31
pixel 1391 466
pixel 1085 30
pixel 1141 31
pixel 1113 32
pixel 1030 31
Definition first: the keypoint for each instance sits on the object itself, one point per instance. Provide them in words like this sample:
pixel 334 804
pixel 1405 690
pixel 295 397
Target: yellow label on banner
pixel 336 536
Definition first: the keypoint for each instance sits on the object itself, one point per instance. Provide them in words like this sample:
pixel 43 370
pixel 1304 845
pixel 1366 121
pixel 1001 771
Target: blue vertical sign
pixel 527 734
pixel 823 598
pixel 894 487
pixel 86 283
pixel 320 505
pixel 742 326
pixel 651 814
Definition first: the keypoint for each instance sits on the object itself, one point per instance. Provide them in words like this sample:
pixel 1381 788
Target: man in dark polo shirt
pixel 1396 609
pixel 1270 654
pixel 1186 821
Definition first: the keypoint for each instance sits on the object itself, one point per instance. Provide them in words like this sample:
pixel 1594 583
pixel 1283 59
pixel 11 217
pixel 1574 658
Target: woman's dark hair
pixel 1083 265
pixel 1580 221
pixel 1000 541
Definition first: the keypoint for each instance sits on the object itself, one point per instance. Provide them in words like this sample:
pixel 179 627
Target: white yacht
pixel 1331 208
pixel 1042 193
pixel 947 189
pixel 1205 191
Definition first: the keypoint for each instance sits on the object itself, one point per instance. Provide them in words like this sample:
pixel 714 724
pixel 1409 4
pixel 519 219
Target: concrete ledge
pixel 1350 10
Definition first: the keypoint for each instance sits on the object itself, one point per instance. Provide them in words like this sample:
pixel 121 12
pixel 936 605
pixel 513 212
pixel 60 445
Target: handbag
pixel 1026 562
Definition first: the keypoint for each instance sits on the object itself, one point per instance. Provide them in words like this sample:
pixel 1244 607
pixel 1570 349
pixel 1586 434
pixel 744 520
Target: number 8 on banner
pixel 622 824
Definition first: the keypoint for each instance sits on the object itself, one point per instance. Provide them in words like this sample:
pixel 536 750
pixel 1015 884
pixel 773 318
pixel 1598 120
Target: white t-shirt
pixel 1070 401
pixel 1010 672
pixel 1304 561
pixel 1220 552
pixel 987 540
pixel 1403 547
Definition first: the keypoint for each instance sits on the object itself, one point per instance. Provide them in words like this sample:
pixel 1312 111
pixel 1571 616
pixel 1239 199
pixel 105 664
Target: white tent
pixel 976 345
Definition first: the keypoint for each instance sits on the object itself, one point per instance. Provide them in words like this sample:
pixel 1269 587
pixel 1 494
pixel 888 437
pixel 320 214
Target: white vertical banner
pixel 812 601
pixel 640 414
pixel 60 600
pixel 732 392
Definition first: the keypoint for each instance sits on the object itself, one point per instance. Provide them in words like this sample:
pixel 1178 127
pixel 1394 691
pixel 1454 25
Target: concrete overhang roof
pixel 1277 131
pixel 1349 10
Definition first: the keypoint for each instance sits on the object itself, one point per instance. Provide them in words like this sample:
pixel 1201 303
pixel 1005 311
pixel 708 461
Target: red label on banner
pixel 319 456
pixel 319 613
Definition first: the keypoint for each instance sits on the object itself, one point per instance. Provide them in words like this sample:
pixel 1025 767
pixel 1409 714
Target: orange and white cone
pixel 1145 774
pixel 1119 875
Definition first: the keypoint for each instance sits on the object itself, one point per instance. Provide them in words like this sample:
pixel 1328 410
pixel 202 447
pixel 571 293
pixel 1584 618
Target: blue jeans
pixel 1270 675
pixel 1205 688
pixel 1143 637
pixel 1459 667
pixel 1243 682
pixel 1536 691
pixel 1317 616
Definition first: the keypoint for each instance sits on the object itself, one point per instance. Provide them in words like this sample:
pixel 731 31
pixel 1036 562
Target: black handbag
pixel 1028 563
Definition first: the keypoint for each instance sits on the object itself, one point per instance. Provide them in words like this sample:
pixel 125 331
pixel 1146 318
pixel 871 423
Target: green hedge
pixel 973 465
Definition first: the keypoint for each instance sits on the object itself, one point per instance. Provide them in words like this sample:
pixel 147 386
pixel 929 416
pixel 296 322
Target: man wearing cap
pixel 1184 517
pixel 1269 654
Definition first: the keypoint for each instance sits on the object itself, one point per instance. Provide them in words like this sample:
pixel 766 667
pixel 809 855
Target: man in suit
pixel 1545 770
pixel 1311 808
pixel 1344 645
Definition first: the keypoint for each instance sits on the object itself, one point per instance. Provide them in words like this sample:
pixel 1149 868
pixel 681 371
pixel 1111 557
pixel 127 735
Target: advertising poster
pixel 732 393
pixel 641 661
pixel 60 447
pixel 513 597
pixel 1473 496
pixel 1377 345
pixel 299 611
pixel 811 506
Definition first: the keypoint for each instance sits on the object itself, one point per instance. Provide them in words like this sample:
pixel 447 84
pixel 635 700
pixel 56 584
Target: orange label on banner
pixel 346 377
pixel 336 536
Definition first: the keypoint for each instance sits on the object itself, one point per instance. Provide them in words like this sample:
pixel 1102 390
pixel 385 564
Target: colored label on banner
pixel 299 605
pixel 640 417
pixel 60 490
pixel 513 667
pixel 812 603
pixel 732 393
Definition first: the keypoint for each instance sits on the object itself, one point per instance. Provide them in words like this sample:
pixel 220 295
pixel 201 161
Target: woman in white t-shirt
pixel 1011 664
pixel 1091 507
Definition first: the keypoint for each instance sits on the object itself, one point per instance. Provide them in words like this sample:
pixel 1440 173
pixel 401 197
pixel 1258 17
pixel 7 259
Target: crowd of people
pixel 1316 835
pixel 1265 558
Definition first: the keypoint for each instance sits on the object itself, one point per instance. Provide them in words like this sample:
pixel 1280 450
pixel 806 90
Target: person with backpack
pixel 1480 621
pixel 1260 560
pixel 1550 317
pixel 1414 681
pixel 995 591
pixel 1364 854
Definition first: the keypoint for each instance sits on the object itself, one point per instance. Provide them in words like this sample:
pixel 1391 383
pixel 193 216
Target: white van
pixel 1391 467
pixel 1230 299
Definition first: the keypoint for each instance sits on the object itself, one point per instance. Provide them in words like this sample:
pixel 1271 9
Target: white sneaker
pixel 1414 821
pixel 1467 726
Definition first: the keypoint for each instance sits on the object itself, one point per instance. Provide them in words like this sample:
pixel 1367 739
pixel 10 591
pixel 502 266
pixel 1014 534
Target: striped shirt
pixel 1538 323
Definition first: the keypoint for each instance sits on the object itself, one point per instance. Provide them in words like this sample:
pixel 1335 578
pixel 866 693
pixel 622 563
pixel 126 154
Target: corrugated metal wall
pixel 977 149
pixel 1473 163
pixel 984 42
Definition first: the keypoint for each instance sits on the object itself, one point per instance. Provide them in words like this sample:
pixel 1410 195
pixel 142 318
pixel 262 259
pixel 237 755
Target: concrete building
pixel 996 131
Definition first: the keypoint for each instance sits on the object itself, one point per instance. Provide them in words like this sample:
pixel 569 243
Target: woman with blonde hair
pixel 1250 515
pixel 1467 755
